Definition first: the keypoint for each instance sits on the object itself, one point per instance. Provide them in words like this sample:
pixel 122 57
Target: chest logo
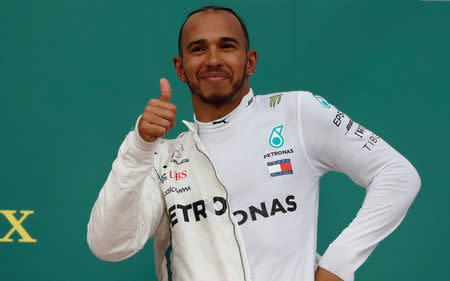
pixel 274 100
pixel 276 140
pixel 280 167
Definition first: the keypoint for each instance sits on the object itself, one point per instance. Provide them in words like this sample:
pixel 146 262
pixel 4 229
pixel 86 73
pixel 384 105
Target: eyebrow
pixel 196 42
pixel 227 39
pixel 203 41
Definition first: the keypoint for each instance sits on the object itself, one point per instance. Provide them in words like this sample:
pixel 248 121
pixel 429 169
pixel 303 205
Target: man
pixel 236 197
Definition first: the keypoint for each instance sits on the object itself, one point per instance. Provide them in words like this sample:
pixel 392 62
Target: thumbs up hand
pixel 159 115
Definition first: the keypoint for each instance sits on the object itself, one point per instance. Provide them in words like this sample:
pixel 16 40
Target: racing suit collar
pixel 224 121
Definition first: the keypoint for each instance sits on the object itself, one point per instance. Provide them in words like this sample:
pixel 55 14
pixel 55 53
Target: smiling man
pixel 215 61
pixel 236 196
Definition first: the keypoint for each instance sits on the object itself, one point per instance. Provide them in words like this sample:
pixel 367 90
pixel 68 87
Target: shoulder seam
pixel 299 121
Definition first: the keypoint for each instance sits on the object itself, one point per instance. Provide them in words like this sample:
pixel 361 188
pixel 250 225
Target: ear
pixel 252 57
pixel 178 63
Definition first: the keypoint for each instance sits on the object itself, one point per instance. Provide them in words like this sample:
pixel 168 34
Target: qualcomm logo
pixel 276 140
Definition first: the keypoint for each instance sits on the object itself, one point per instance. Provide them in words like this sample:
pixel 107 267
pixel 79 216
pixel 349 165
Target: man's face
pixel 214 57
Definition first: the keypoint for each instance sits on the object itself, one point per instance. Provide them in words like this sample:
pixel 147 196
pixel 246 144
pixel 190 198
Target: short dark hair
pixel 214 8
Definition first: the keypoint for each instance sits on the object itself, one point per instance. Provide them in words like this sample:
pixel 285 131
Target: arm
pixel 324 275
pixel 130 205
pixel 121 222
pixel 336 143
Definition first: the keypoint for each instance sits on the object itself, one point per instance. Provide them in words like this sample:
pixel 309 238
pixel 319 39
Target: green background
pixel 75 75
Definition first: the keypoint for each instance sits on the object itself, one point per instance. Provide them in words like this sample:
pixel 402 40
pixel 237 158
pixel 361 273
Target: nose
pixel 213 57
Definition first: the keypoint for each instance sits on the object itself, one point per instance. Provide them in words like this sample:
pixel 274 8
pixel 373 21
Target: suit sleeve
pixel 129 206
pixel 334 142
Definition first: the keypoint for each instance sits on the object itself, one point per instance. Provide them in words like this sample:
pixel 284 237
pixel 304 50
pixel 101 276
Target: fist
pixel 159 115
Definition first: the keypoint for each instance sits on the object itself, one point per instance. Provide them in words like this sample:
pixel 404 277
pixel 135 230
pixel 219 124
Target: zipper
pixel 168 253
pixel 228 209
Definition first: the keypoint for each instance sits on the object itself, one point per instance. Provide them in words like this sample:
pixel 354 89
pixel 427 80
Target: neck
pixel 206 112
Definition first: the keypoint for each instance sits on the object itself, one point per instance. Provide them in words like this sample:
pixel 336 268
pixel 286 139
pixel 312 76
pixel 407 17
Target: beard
pixel 217 98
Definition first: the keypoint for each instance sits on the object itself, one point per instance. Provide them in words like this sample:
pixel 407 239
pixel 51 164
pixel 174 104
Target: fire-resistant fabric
pixel 237 198
pixel 270 153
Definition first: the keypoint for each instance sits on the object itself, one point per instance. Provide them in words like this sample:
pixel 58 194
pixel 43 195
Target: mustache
pixel 213 71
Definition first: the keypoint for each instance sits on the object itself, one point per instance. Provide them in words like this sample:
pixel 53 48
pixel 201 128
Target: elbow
pixel 104 249
pixel 102 254
pixel 95 244
pixel 414 182
pixel 417 183
pixel 405 183
pixel 96 249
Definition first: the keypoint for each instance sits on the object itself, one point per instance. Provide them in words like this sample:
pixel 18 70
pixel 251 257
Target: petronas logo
pixel 276 140
pixel 274 100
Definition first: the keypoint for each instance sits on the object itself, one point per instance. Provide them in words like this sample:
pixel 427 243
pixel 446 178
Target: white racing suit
pixel 239 201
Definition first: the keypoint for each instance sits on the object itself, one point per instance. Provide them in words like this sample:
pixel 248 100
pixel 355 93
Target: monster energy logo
pixel 274 100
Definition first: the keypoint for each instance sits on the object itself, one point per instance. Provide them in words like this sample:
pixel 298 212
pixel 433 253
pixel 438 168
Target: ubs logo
pixel 17 226
pixel 178 175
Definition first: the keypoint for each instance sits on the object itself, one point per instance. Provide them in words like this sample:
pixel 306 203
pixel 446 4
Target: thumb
pixel 166 91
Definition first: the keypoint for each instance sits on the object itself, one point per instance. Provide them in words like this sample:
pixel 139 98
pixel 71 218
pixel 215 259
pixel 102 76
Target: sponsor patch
pixel 360 131
pixel 175 189
pixel 274 100
pixel 220 121
pixel 338 118
pixel 280 167
pixel 177 152
pixel 276 140
pixel 349 126
pixel 279 152
pixel 179 162
pixel 178 175
pixel 371 142
pixel 250 102
pixel 217 206
pixel 163 178
pixel 322 101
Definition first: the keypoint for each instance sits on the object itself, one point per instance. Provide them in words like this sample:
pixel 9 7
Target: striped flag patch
pixel 280 167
